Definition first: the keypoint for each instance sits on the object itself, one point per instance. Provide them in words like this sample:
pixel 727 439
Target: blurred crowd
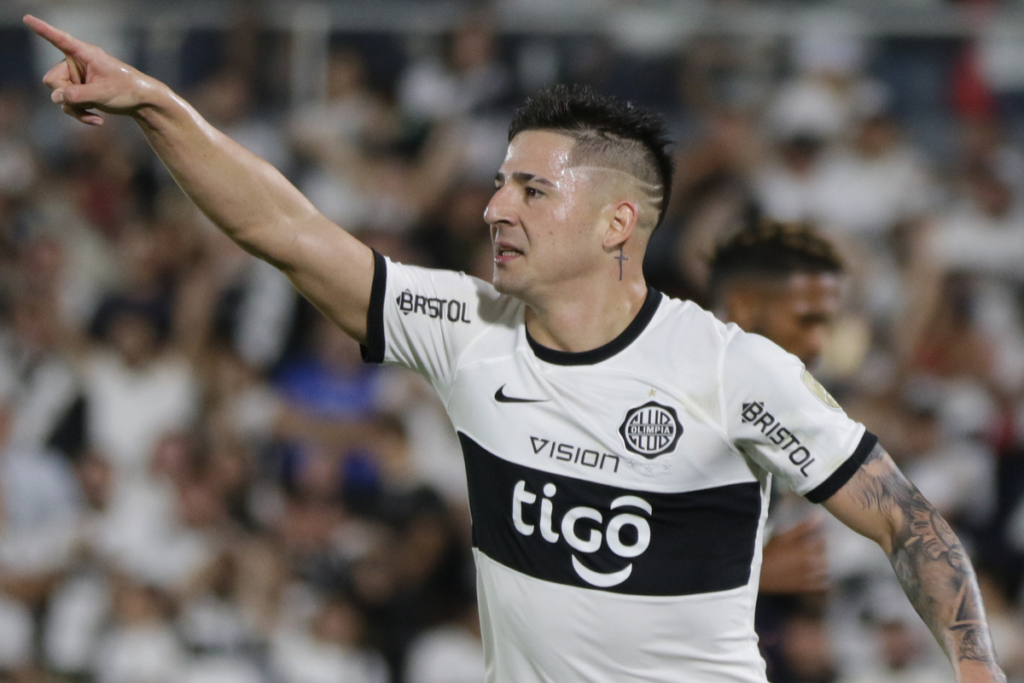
pixel 201 481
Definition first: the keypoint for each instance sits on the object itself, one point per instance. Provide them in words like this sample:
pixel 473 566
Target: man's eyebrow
pixel 523 177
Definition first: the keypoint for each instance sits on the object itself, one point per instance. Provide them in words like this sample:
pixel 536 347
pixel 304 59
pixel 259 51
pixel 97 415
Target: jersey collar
pixel 602 353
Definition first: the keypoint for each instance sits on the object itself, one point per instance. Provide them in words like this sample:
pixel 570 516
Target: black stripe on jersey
pixel 623 540
pixel 601 353
pixel 842 475
pixel 373 349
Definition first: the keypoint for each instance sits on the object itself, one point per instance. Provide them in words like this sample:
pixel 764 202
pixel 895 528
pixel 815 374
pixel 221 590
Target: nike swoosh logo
pixel 500 397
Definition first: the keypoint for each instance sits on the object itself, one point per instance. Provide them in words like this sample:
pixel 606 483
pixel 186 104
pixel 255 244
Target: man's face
pixel 544 216
pixel 796 313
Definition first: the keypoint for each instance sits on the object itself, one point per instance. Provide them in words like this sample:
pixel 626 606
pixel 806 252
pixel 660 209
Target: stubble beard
pixel 507 284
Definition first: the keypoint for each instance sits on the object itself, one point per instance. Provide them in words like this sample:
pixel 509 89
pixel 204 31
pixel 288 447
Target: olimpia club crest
pixel 651 430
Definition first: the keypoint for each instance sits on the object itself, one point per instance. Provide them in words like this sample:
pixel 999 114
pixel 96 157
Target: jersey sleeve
pixel 780 417
pixel 423 318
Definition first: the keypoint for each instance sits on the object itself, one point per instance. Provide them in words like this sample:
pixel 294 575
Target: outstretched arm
pixel 242 194
pixel 929 561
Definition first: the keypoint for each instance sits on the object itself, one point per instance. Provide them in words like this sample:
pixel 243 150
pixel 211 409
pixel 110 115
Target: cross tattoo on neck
pixel 620 258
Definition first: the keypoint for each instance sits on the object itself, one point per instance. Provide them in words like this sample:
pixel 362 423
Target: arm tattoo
pixel 930 562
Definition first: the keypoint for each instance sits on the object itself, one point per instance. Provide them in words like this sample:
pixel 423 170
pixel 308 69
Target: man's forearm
pixel 935 572
pixel 245 196
pixel 242 194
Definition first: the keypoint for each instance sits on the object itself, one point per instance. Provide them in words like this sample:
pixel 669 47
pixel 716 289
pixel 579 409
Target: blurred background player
pixel 783 281
pixel 786 281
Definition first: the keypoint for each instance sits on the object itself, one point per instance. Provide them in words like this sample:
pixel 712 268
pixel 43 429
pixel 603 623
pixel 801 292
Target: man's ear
pixel 622 223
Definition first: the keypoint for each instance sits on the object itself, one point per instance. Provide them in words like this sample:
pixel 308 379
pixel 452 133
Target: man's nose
pixel 499 209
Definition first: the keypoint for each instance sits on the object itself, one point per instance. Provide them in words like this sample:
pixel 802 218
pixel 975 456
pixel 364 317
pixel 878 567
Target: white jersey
pixel 618 495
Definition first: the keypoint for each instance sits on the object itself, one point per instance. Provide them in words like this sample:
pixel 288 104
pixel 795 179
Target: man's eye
pixel 533 192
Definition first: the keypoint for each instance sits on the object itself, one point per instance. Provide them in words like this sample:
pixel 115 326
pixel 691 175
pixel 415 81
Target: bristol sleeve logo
pixel 651 430
pixel 434 308
pixel 782 437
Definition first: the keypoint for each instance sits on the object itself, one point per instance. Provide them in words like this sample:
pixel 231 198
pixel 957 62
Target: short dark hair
pixel 772 250
pixel 624 136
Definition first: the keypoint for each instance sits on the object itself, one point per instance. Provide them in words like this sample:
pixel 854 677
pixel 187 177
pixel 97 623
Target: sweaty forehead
pixel 539 152
pixel 555 156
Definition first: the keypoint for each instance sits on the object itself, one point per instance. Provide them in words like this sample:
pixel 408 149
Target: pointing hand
pixel 90 80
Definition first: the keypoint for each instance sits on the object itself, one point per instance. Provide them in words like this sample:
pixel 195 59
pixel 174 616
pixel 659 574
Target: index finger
pixel 62 40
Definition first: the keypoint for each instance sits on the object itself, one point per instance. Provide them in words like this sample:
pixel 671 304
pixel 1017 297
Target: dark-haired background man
pixel 784 282
pixel 619 444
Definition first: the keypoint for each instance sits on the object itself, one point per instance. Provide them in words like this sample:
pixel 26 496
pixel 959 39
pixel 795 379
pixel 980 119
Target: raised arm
pixel 243 195
pixel 928 558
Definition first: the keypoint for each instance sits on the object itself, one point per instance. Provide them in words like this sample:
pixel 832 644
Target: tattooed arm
pixel 931 564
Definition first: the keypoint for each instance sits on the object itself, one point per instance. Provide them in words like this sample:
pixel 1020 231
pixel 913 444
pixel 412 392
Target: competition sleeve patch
pixel 827 488
pixel 373 349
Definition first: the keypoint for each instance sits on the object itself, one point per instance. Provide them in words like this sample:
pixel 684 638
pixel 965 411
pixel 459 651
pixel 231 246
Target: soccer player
pixel 618 444
pixel 784 282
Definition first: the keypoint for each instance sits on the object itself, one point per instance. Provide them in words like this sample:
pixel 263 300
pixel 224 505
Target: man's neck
pixel 585 318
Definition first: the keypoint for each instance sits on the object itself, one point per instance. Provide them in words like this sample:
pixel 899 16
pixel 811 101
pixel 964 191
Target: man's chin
pixel 507 285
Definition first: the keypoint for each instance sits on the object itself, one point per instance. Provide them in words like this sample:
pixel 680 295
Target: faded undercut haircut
pixel 773 250
pixel 608 132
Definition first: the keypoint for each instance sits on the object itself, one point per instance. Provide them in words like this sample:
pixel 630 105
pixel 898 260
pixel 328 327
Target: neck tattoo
pixel 620 258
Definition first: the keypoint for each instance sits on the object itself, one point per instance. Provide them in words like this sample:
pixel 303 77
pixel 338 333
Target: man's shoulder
pixel 691 326
pixel 450 294
pixel 752 347
pixel 755 362
pixel 697 333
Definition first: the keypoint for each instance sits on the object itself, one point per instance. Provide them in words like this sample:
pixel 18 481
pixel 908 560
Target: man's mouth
pixel 504 253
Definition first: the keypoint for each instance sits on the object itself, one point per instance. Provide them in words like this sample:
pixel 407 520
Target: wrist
pixel 973 671
pixel 156 103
